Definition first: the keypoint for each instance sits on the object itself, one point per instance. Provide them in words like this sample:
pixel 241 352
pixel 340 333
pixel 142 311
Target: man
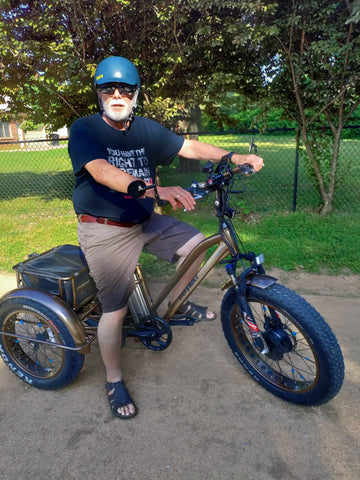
pixel 109 151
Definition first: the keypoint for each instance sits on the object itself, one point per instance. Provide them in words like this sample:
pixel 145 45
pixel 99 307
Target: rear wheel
pixel 304 363
pixel 42 365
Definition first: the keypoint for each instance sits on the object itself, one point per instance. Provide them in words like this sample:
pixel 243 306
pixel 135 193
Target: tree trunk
pixel 326 186
pixel 186 164
pixel 328 203
pixel 326 206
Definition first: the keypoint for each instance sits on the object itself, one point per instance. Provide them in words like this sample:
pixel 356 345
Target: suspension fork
pixel 240 286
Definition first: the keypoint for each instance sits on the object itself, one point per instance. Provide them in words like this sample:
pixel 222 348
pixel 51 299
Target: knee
pixel 196 240
pixel 116 317
pixel 199 237
pixel 190 245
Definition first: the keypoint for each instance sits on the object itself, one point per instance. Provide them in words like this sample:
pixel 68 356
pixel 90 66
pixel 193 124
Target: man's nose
pixel 117 93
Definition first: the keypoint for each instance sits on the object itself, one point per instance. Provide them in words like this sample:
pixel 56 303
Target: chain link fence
pixel 42 169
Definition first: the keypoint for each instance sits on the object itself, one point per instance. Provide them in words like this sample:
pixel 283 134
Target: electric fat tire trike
pixel 48 323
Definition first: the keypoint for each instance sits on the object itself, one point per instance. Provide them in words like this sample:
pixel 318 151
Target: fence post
pixel 296 172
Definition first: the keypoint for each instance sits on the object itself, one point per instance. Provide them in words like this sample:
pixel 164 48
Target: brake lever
pixel 208 168
pixel 198 190
pixel 246 169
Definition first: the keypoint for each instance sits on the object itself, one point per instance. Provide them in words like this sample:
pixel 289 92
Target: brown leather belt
pixel 104 221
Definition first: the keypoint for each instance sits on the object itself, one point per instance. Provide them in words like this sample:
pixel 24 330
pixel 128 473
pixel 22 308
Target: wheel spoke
pixel 303 362
pixel 38 359
pixel 295 370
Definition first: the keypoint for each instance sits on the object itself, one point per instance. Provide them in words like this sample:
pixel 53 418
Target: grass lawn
pixel 36 210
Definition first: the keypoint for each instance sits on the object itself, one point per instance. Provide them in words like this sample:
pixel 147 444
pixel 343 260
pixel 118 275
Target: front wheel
pixel 304 363
pixel 29 349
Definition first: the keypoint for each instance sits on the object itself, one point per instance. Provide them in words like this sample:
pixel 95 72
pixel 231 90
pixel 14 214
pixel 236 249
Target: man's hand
pixel 256 162
pixel 177 197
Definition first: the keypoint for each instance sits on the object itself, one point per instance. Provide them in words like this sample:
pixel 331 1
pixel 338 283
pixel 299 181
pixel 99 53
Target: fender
pixel 260 280
pixel 65 314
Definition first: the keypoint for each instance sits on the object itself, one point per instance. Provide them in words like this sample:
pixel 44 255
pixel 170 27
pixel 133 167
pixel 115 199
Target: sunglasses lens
pixel 107 90
pixel 125 90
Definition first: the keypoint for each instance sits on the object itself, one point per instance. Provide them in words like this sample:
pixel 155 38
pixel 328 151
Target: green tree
pixel 43 76
pixel 313 73
pixel 302 55
pixel 187 52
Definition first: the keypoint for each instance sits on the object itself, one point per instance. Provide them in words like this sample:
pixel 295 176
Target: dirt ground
pixel 201 416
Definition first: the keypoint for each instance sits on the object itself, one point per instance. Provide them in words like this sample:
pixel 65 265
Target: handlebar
pixel 219 175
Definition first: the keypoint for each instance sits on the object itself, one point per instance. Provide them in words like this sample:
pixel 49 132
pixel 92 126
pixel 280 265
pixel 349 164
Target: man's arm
pixel 107 174
pixel 118 180
pixel 196 150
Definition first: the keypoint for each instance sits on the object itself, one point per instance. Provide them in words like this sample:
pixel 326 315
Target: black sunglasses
pixel 124 90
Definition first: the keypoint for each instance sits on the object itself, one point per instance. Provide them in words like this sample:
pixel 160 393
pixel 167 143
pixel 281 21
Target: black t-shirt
pixel 137 151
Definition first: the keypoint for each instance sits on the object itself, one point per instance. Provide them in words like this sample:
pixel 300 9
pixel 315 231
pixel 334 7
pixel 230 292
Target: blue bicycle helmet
pixel 117 70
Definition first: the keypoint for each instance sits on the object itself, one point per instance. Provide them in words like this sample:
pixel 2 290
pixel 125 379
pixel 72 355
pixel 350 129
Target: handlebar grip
pixel 137 188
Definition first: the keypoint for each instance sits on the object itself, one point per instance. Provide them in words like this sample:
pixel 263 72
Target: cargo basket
pixel 61 271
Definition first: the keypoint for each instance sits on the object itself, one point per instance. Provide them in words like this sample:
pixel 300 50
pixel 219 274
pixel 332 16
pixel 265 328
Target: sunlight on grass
pixel 37 227
pixel 36 211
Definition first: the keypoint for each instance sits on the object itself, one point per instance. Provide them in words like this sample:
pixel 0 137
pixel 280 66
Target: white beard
pixel 126 110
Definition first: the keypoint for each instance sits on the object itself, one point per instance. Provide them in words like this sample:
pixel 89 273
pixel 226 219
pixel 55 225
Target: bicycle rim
pixel 41 360
pixel 297 371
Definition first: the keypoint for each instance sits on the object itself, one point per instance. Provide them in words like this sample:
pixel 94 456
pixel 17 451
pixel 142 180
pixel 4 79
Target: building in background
pixel 10 131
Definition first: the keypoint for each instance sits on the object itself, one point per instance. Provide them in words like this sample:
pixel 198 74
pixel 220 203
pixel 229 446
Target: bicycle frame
pixel 219 254
pixel 141 303
pixel 142 306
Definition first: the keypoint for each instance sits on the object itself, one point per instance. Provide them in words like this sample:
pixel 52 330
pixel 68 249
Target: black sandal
pixel 197 313
pixel 119 398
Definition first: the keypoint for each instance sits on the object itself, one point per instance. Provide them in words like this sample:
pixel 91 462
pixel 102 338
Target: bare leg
pixel 190 273
pixel 109 338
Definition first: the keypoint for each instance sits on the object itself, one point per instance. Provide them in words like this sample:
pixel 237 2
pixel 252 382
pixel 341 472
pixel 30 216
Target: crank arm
pixel 141 333
pixel 182 321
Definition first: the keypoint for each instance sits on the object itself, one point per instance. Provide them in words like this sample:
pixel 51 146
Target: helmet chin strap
pixel 130 119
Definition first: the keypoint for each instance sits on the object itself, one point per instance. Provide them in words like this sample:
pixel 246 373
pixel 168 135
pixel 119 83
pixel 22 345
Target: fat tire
pixel 315 331
pixel 39 365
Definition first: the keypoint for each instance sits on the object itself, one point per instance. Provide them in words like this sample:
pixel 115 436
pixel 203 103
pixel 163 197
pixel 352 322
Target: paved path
pixel 201 417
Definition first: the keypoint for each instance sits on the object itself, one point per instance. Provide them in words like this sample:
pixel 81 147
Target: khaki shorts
pixel 112 253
